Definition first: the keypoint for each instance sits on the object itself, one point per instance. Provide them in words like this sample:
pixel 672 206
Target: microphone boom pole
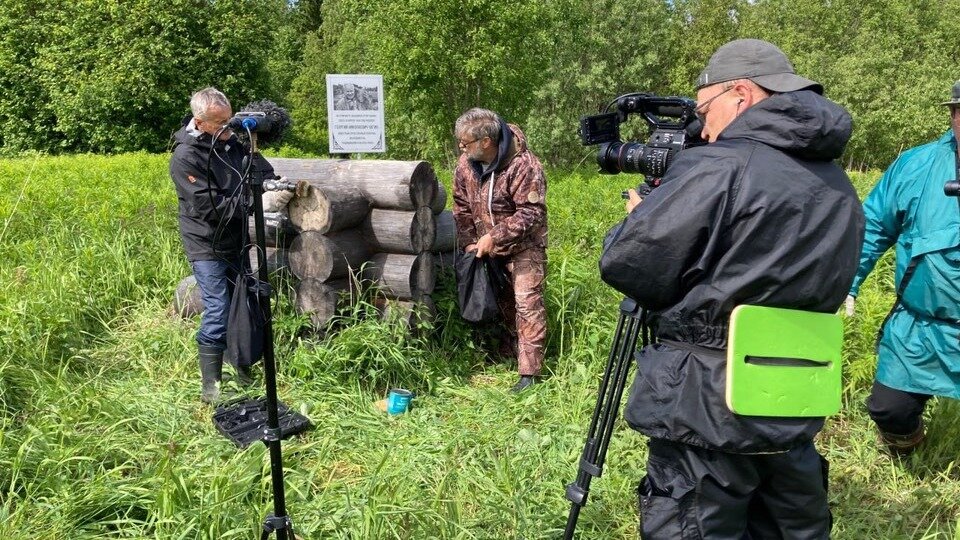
pixel 278 521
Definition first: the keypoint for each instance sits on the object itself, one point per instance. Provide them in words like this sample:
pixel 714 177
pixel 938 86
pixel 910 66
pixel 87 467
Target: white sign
pixel 355 113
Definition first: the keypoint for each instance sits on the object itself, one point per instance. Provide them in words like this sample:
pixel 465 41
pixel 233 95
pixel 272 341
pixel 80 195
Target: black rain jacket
pixel 211 218
pixel 761 216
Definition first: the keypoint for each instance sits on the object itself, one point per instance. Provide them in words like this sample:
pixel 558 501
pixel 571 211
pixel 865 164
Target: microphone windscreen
pixel 278 117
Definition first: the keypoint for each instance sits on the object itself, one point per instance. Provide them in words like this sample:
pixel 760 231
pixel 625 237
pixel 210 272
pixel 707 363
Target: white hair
pixel 478 123
pixel 203 100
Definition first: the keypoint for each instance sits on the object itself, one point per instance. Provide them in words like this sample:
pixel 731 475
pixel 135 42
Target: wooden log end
pixel 423 184
pixel 311 256
pixel 187 302
pixel 445 238
pixel 322 301
pixel 426 273
pixel 415 315
pixel 424 231
pixel 439 201
pixel 310 213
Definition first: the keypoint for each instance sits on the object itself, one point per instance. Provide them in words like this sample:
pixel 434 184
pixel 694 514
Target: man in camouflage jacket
pixel 499 206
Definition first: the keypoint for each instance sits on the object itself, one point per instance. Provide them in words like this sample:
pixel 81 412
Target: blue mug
pixel 398 401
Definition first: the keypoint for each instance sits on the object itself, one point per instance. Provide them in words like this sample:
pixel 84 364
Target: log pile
pixel 363 223
pixel 369 223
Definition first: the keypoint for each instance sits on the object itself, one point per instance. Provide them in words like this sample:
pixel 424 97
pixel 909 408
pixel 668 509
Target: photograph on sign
pixel 355 113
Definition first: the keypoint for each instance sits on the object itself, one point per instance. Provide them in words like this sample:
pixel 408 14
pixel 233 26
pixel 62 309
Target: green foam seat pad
pixel 783 362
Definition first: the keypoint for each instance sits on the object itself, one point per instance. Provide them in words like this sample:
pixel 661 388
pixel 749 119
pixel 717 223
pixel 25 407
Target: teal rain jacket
pixel 919 350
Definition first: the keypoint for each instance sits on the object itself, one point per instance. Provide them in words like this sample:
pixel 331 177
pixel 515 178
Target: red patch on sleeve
pixel 192 179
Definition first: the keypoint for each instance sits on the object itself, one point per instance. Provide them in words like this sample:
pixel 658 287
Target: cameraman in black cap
pixel 762 215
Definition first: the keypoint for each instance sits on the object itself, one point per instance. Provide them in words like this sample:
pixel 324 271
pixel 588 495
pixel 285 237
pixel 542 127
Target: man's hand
pixel 276 201
pixel 849 305
pixel 633 201
pixel 484 245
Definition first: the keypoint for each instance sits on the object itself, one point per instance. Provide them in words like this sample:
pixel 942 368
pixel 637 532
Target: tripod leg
pixel 280 525
pixel 608 404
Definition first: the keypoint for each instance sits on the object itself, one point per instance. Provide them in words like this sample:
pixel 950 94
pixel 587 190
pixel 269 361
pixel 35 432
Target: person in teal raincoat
pixel 919 344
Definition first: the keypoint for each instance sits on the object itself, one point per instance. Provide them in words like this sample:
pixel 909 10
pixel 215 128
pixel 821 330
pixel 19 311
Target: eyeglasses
pixel 464 144
pixel 215 124
pixel 702 108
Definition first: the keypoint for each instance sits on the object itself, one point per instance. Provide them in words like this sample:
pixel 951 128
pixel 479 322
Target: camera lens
pixel 633 157
pixel 608 157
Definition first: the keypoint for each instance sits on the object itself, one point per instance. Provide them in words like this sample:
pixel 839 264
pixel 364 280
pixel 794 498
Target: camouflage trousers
pixel 523 310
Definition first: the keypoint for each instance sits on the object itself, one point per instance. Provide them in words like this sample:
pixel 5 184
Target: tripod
pixel 278 521
pixel 630 326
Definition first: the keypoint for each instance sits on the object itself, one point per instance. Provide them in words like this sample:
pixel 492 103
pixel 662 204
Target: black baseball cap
pixel 760 61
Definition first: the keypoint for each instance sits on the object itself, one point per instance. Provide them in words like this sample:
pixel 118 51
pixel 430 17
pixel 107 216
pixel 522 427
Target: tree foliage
pixel 889 64
pixel 111 75
pixel 601 49
pixel 438 58
pixel 552 61
pixel 115 75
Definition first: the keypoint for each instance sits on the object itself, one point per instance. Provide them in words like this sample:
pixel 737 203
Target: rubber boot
pixel 903 445
pixel 525 382
pixel 211 370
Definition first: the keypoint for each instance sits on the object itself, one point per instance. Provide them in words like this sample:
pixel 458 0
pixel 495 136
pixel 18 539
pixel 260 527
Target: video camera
pixel 254 121
pixel 268 120
pixel 673 123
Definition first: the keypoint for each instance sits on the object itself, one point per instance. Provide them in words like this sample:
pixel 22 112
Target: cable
pixel 232 205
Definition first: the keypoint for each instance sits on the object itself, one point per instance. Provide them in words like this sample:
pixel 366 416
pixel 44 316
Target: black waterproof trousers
pixel 896 412
pixel 692 492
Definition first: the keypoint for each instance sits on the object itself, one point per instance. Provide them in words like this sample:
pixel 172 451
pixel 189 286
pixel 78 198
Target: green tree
pixel 309 15
pixel 888 63
pixel 26 120
pixel 308 97
pixel 437 58
pixel 111 75
pixel 292 29
pixel 600 50
pixel 701 26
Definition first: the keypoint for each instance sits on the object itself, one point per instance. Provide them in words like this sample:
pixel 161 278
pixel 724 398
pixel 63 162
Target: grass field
pixel 102 434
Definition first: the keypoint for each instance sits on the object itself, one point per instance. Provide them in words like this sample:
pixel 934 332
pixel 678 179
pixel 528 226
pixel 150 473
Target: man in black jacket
pixel 207 176
pixel 761 215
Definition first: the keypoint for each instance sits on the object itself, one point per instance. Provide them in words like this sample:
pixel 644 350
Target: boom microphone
pixel 268 120
pixel 254 122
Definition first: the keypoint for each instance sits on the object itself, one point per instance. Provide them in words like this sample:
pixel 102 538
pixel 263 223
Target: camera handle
pixel 278 521
pixel 632 323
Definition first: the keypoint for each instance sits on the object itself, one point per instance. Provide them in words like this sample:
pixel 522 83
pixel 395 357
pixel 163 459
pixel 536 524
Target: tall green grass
pixel 102 434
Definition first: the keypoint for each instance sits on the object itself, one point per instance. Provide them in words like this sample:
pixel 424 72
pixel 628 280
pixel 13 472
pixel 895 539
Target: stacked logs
pixel 373 222
pixel 379 223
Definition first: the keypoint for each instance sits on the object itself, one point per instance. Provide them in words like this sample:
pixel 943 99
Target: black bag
pixel 479 280
pixel 246 321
